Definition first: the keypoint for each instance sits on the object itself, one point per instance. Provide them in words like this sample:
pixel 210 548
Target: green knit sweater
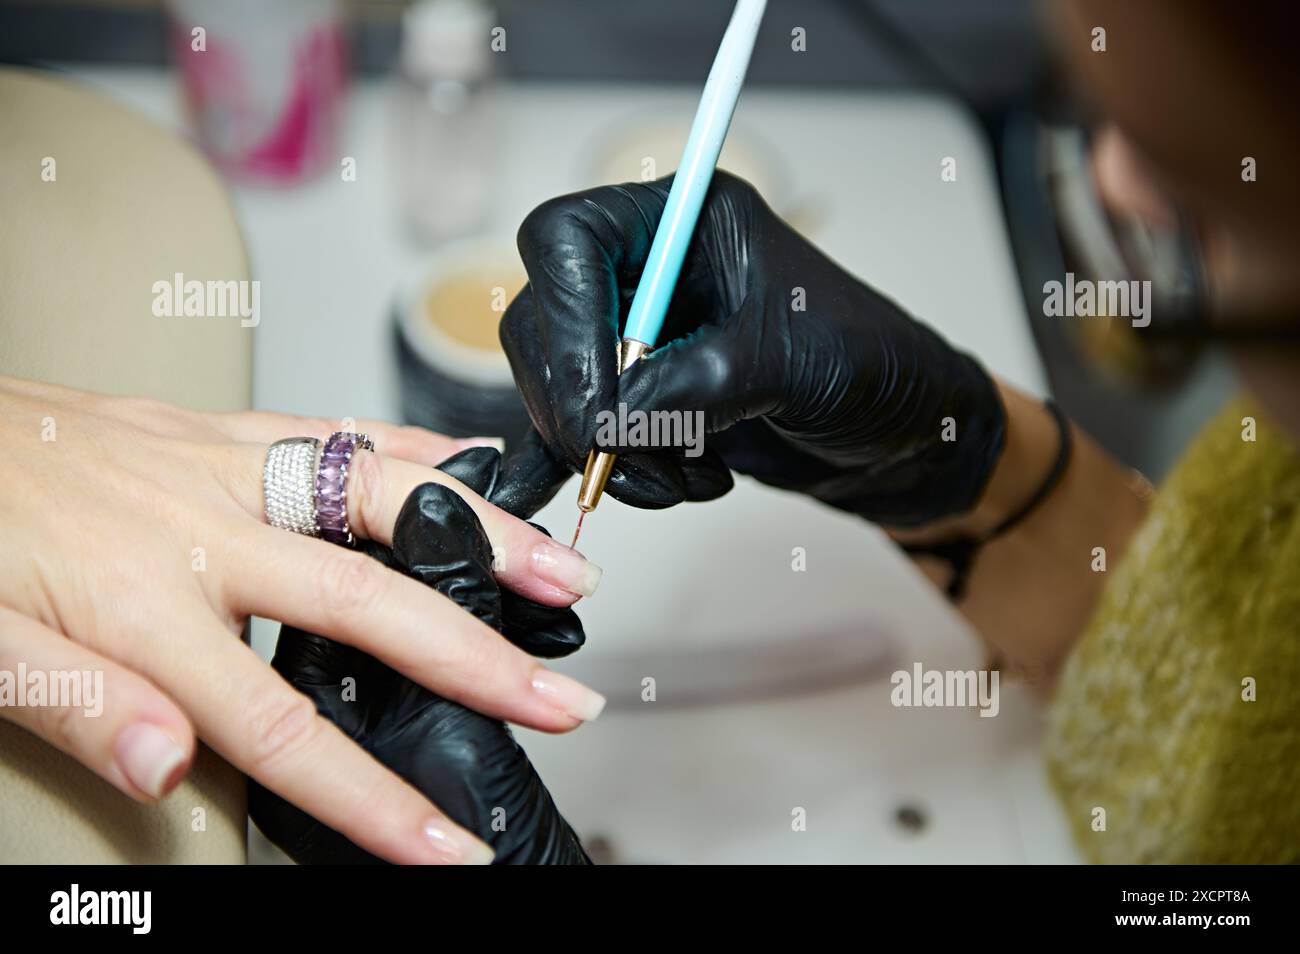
pixel 1153 722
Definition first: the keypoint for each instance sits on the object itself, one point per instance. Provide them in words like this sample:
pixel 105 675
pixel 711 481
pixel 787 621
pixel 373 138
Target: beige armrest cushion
pixel 130 204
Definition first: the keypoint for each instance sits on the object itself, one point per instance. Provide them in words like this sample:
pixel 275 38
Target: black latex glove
pixel 467 764
pixel 844 400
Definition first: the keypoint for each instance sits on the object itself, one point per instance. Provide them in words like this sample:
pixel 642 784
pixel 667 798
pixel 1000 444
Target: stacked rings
pixel 332 485
pixel 305 485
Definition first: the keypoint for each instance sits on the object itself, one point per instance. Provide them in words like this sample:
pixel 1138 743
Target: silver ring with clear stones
pixel 289 484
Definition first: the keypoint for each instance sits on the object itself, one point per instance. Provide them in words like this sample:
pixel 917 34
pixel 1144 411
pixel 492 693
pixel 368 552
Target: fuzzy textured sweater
pixel 1178 713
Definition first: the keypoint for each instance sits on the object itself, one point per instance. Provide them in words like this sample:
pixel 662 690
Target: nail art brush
pixel 681 211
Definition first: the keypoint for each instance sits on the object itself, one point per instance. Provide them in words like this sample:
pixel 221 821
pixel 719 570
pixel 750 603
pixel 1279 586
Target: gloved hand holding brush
pixel 808 379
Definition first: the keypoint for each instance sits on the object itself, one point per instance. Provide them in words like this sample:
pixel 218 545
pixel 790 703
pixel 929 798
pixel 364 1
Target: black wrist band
pixel 960 552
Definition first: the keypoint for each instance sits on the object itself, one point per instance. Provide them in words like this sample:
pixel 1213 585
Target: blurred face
pixel 1190 91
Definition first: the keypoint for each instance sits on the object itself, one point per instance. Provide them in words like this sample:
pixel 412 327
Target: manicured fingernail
pixel 568 695
pixel 565 568
pixel 453 846
pixel 465 443
pixel 150 758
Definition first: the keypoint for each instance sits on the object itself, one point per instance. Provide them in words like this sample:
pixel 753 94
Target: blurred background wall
pixel 989 48
pixel 988 54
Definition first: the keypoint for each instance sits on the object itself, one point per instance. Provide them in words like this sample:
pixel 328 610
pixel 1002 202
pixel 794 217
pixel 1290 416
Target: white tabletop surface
pixel 716 603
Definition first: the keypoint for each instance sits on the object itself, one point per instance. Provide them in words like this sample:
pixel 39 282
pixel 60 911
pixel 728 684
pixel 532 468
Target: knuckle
pixel 476 657
pixel 351 584
pixel 281 728
pixel 61 726
pixel 383 794
pixel 716 367
pixel 734 184
pixel 538 223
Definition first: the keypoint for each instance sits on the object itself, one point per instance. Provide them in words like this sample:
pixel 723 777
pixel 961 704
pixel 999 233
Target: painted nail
pixel 466 443
pixel 568 695
pixel 452 846
pixel 565 568
pixel 150 758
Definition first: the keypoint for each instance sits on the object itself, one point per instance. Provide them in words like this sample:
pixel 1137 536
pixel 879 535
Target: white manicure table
pixel 771 685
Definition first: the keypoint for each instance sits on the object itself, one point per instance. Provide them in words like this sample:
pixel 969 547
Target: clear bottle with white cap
pixel 444 114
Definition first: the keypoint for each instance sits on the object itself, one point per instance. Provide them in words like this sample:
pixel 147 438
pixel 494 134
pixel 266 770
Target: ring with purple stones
pixel 332 485
pixel 305 485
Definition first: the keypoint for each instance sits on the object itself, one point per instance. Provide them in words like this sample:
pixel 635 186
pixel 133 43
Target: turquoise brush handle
pixel 690 185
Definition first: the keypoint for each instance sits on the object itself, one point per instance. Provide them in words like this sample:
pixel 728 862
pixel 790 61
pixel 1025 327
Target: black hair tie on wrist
pixel 960 552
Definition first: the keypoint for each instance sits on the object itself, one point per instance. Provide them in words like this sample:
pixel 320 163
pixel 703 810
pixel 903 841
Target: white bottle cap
pixel 447 39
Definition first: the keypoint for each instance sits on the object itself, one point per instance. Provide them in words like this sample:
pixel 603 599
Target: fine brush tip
pixel 578 529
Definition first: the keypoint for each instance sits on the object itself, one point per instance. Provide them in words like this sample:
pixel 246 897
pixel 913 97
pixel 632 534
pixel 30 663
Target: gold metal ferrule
pixel 599 463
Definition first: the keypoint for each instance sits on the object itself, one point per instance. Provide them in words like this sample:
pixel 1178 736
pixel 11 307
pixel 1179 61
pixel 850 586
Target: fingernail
pixel 569 695
pixel 149 758
pixel 455 847
pixel 465 443
pixel 565 568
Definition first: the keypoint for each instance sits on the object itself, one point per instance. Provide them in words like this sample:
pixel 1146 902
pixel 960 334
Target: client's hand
pixel 465 762
pixel 135 547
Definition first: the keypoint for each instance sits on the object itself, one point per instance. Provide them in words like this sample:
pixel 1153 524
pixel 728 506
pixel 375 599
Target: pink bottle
pixel 263 83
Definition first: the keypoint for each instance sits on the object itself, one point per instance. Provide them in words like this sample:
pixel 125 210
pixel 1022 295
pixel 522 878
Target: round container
pixel 454 377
